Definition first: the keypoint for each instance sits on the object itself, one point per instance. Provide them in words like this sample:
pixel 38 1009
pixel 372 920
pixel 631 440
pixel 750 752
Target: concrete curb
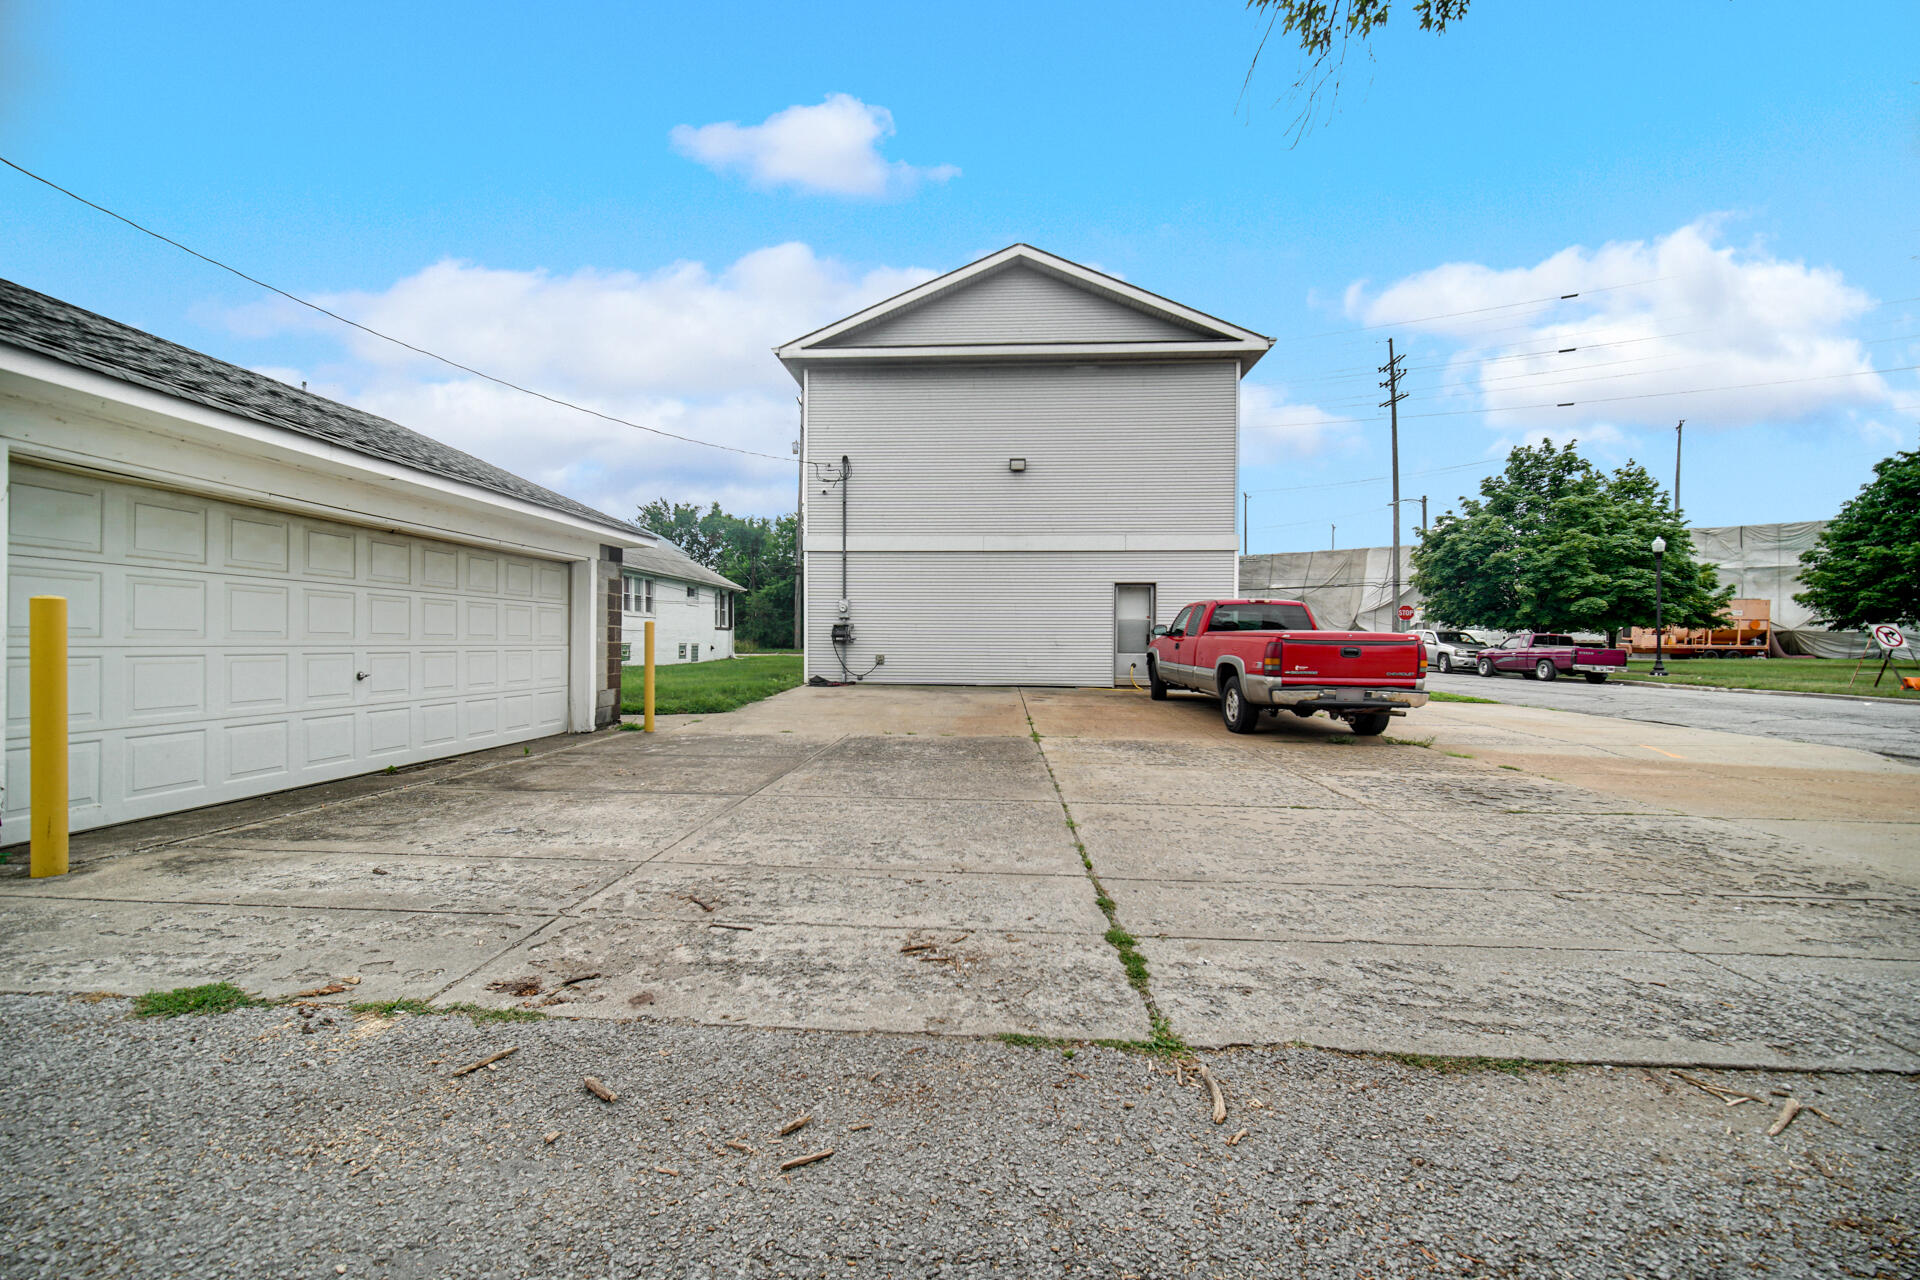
pixel 1772 693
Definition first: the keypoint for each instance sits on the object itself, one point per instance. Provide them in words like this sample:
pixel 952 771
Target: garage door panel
pixel 217 649
pixel 389 561
pixel 329 554
pixel 257 542
pixel 83 588
pixel 389 618
pixel 257 751
pixel 171 686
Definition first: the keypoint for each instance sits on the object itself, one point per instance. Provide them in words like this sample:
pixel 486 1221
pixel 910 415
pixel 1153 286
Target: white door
pixel 219 650
pixel 1132 629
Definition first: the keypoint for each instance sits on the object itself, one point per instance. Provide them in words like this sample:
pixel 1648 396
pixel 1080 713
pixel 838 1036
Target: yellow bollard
pixel 47 734
pixel 646 703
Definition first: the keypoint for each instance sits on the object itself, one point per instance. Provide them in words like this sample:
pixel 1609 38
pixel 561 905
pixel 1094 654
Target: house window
pixel 638 593
pixel 693 593
pixel 723 610
pixel 696 653
pixel 683 653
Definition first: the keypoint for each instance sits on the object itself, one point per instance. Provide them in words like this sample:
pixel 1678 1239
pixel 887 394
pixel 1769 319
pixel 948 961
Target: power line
pixel 386 337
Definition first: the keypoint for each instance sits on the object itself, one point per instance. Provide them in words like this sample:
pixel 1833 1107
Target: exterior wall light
pixel 1016 464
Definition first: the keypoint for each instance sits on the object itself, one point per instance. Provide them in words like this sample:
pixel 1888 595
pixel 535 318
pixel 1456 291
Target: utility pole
pixel 1333 535
pixel 1682 426
pixel 800 532
pixel 1392 404
pixel 1423 515
pixel 1243 524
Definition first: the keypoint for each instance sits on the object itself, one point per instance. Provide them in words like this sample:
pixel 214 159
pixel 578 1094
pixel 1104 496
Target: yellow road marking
pixel 1668 754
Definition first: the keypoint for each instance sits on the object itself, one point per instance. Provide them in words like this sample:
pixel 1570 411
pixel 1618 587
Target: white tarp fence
pixel 1351 590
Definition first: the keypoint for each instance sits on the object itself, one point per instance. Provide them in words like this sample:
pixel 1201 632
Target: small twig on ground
pixel 1787 1113
pixel 1233 1139
pixel 912 947
pixel 797 1161
pixel 331 989
pixel 743 928
pixel 696 902
pixel 487 1061
pixel 795 1125
pixel 599 1090
pixel 738 1145
pixel 553 1137
pixel 578 978
pixel 1219 1098
pixel 855 1128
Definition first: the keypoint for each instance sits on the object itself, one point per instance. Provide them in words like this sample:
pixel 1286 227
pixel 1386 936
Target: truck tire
pixel 1371 724
pixel 1241 716
pixel 1485 667
pixel 1156 687
pixel 1445 664
pixel 1596 677
pixel 1545 670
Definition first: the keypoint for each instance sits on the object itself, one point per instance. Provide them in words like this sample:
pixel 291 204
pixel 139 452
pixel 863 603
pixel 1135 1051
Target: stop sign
pixel 1406 613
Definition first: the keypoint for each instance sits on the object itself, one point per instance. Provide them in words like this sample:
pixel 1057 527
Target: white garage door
pixel 220 651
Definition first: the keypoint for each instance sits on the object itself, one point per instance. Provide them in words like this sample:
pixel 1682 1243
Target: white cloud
pixel 1740 335
pixel 1274 428
pixel 683 349
pixel 833 147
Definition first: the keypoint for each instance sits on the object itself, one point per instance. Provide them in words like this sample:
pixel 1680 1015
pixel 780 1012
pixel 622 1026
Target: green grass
pixel 214 997
pixel 1796 675
pixel 1407 742
pixel 420 1008
pixel 707 688
pixel 1435 695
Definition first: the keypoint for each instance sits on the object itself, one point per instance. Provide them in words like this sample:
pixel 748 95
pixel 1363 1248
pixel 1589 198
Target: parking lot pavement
pixel 1865 724
pixel 1529 884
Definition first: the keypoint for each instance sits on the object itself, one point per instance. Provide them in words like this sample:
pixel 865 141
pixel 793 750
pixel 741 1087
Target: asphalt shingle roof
pixel 665 560
pixel 64 332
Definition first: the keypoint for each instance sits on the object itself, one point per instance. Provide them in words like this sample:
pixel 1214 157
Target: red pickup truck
pixel 1265 655
pixel 1541 655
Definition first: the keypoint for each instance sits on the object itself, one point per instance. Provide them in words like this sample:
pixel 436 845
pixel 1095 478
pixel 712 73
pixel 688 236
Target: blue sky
pixel 1729 186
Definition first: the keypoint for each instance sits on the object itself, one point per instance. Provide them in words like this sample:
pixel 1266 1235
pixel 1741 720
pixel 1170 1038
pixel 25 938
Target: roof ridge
pixel 60 330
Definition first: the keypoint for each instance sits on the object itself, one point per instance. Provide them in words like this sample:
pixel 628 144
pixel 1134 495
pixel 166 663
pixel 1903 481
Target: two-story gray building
pixel 1011 472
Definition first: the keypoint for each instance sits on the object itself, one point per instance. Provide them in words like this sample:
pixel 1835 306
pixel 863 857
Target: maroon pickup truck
pixel 1269 655
pixel 1540 655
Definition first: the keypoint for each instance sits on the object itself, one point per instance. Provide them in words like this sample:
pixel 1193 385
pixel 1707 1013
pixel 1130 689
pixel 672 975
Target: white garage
pixel 255 605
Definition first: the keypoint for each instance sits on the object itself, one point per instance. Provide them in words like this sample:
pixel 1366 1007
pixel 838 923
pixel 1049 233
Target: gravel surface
pixel 247 1145
pixel 1883 725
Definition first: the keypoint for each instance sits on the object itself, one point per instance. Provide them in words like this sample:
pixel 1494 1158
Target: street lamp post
pixel 1659 624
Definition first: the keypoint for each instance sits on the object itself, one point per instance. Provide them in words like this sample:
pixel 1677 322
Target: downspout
pixel 846 469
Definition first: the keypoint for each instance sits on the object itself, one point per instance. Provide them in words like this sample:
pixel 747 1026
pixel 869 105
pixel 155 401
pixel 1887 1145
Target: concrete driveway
pixel 1529 884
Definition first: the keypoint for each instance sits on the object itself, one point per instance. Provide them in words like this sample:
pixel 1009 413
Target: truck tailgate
pixel 1350 658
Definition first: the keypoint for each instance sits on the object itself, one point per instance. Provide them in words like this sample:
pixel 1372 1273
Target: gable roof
pixel 1024 302
pixel 74 336
pixel 663 559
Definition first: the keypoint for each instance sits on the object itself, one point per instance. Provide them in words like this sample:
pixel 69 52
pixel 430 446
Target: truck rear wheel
pixel 1241 716
pixel 1371 724
pixel 1545 670
pixel 1596 677
pixel 1156 687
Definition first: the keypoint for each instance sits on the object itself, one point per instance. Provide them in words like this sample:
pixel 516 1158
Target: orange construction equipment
pixel 1745 636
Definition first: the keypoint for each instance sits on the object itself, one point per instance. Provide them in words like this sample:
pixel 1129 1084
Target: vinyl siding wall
pixel 1017 304
pixel 961 571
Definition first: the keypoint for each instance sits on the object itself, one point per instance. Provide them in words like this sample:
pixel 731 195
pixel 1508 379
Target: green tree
pixel 1865 566
pixel 1555 544
pixel 1326 29
pixel 753 551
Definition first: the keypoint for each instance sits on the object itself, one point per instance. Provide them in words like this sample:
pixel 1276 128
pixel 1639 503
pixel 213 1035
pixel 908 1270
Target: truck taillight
pixel 1423 659
pixel 1271 663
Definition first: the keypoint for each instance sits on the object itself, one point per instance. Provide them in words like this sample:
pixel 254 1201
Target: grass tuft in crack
pixel 214 997
pixel 420 1008
pixel 1164 1040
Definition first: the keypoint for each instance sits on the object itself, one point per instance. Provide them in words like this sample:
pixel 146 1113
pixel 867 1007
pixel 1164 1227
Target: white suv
pixel 1452 650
